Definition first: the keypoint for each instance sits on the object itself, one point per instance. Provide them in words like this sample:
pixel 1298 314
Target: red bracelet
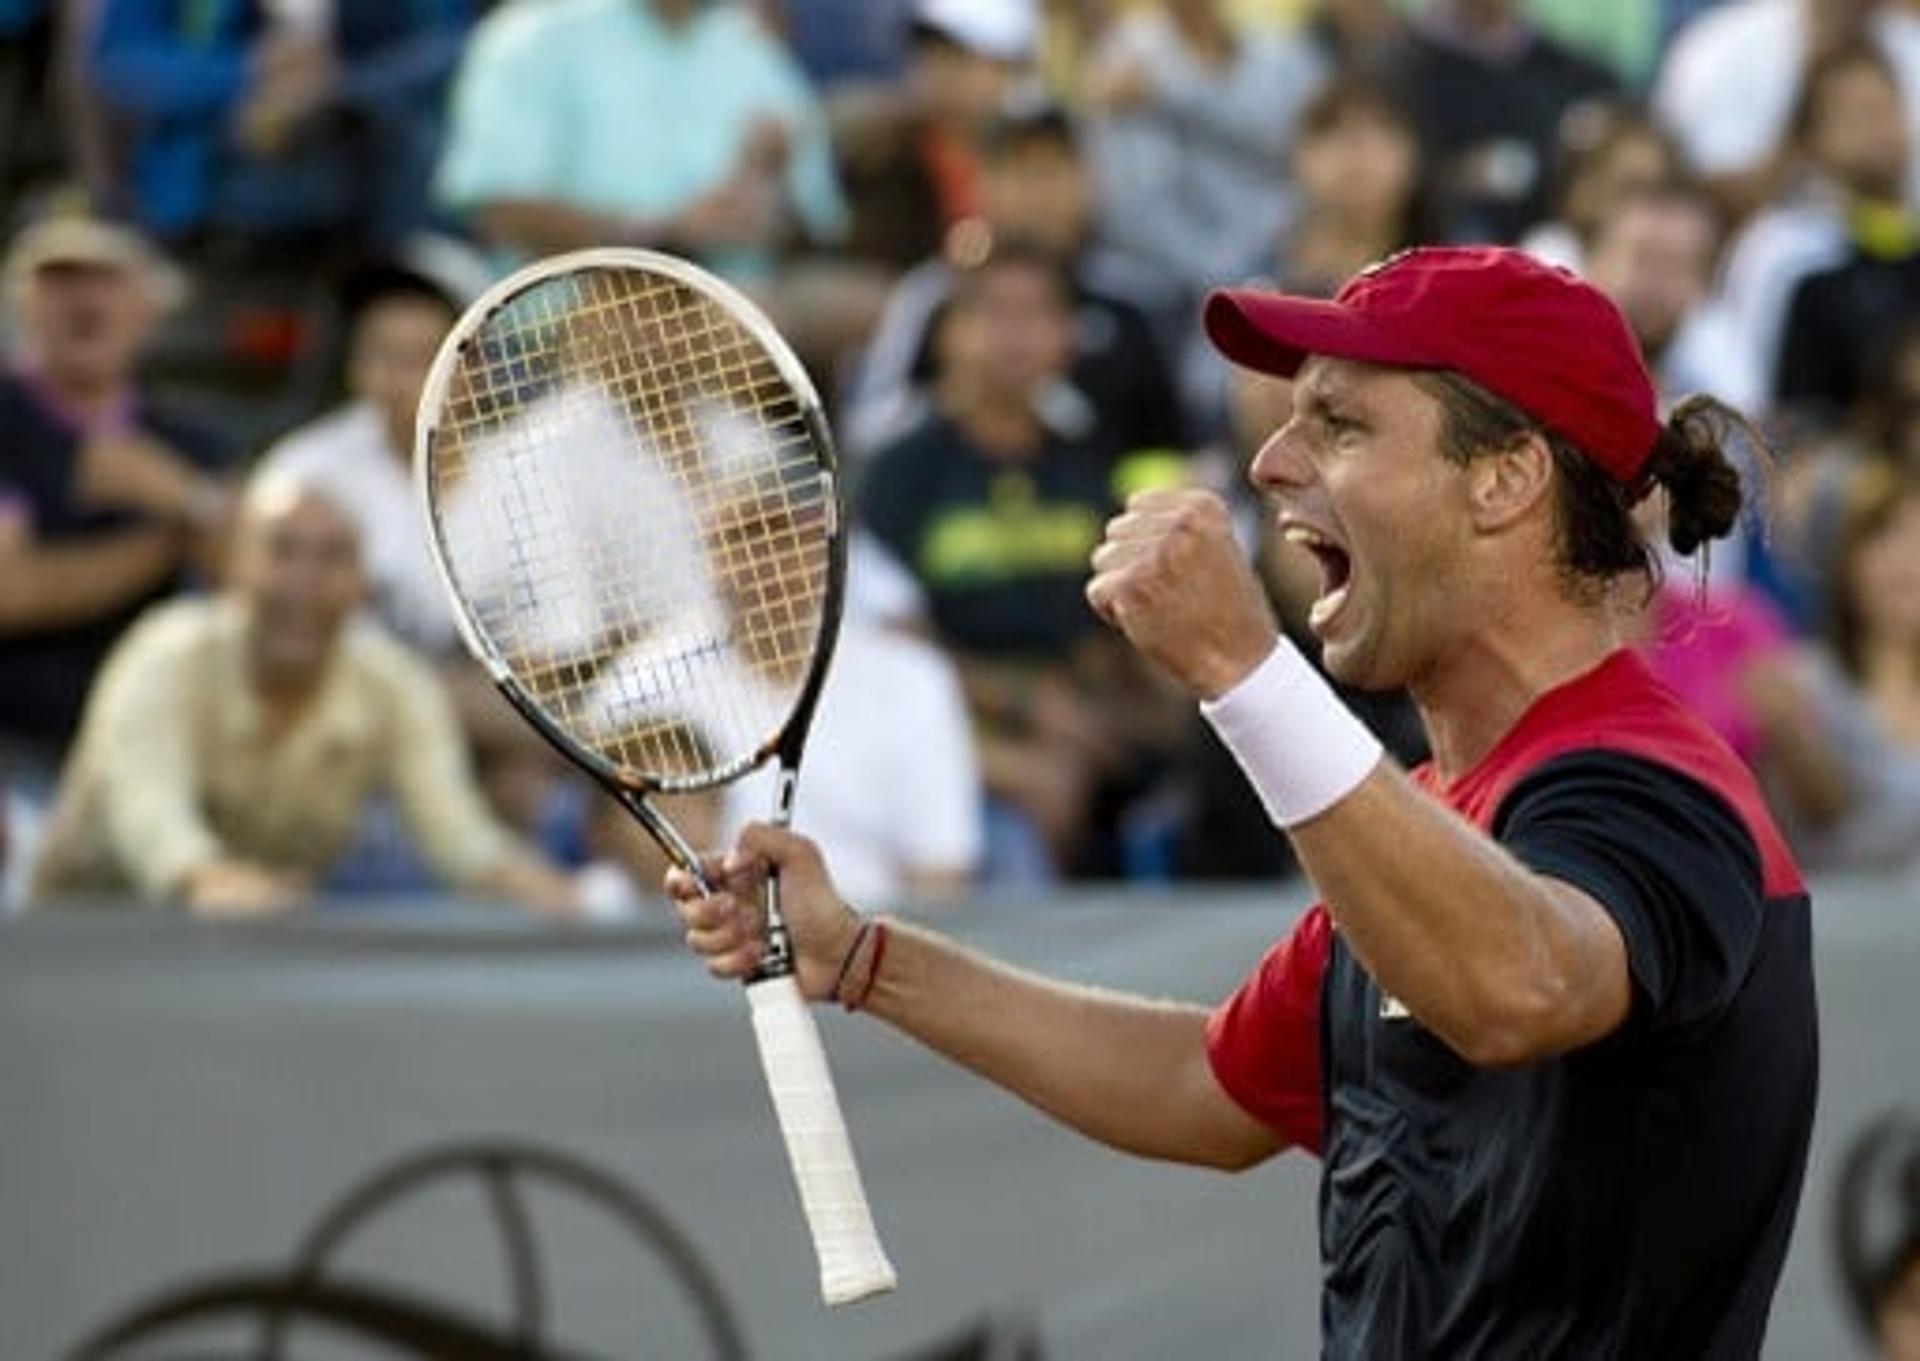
pixel 873 969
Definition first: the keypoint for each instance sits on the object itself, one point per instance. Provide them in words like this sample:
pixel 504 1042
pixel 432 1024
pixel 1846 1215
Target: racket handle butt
pixel 853 1264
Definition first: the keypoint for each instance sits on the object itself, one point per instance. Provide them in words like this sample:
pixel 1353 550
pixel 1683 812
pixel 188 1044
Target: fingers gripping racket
pixel 630 494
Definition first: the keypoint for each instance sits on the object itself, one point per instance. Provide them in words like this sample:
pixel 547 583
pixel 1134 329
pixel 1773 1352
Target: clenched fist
pixel 728 930
pixel 1172 577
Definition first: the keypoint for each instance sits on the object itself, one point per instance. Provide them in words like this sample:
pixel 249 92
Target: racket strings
pixel 630 496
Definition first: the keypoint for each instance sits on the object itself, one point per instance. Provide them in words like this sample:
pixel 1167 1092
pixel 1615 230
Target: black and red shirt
pixel 1633 1198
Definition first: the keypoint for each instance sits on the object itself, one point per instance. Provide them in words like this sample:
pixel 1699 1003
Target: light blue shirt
pixel 599 104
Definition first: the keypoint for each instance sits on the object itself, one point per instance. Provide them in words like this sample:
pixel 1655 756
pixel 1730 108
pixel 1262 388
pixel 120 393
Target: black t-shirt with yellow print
pixel 1000 547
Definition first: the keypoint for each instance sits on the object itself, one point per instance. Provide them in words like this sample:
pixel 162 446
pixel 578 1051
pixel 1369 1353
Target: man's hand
pixel 729 930
pixel 233 890
pixel 742 211
pixel 292 79
pixel 1171 576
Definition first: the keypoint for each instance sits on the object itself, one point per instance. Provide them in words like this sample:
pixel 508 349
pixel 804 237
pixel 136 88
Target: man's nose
pixel 1282 464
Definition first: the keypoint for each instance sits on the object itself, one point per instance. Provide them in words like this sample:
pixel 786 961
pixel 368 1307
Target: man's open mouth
pixel 1336 572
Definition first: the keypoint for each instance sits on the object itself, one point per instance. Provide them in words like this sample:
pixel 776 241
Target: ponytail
pixel 1690 463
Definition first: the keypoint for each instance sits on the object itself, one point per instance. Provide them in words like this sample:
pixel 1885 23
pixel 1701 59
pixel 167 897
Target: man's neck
pixel 1474 699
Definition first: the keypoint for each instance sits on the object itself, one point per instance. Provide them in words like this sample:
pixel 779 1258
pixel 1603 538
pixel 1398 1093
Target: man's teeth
pixel 1305 537
pixel 1326 607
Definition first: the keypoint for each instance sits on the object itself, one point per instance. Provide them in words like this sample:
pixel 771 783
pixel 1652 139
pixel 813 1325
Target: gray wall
pixel 176 1100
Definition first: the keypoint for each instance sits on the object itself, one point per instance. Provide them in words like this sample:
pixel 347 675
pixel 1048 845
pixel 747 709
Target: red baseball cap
pixel 1539 336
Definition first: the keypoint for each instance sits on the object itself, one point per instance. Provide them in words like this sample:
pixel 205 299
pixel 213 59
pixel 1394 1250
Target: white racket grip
pixel 853 1264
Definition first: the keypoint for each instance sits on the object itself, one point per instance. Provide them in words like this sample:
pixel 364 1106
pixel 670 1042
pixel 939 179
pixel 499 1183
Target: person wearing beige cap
pixel 106 500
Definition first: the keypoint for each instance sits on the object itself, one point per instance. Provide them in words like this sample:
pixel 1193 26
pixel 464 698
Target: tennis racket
pixel 630 494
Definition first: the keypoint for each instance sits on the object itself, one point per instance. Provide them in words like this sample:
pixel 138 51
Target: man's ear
pixel 1507 487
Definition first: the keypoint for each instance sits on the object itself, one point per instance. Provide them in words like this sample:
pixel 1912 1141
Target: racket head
pixel 631 495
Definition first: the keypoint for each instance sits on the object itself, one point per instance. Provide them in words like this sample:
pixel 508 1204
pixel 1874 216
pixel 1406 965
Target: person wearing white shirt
pixel 362 451
pixel 1730 81
pixel 890 780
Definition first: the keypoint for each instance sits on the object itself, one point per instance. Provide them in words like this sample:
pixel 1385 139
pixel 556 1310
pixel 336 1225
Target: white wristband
pixel 1301 749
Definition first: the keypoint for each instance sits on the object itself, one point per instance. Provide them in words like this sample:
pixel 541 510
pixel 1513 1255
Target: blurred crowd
pixel 239 229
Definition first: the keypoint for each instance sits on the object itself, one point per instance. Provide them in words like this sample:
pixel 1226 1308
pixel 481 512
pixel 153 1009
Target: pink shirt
pixel 1700 647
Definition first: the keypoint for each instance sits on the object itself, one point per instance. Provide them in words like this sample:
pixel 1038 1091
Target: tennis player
pixel 1552 1028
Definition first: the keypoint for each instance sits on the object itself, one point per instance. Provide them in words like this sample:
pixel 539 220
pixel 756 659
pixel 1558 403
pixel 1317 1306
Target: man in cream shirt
pixel 231 743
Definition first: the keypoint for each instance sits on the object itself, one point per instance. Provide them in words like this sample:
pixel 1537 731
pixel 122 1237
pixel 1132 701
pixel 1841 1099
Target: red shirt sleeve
pixel 1264 1040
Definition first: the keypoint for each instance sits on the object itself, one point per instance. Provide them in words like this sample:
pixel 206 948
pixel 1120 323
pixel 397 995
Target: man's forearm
pixel 65 584
pixel 1127 1071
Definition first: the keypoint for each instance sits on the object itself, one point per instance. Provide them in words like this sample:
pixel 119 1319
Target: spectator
pixel 1490 92
pixel 1732 79
pixel 1843 315
pixel 892 718
pixel 362 453
pixel 1875 588
pixel 266 119
pixel 1843 729
pixel 1606 151
pixel 1036 189
pixel 1191 120
pixel 911 153
pixel 994 512
pixel 1850 152
pixel 667 123
pixel 107 498
pixel 1357 161
pixel 1653 251
pixel 232 742
pixel 1362 197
